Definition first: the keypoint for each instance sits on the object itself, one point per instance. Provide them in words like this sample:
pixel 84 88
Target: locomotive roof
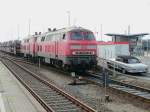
pixel 69 29
pixel 31 36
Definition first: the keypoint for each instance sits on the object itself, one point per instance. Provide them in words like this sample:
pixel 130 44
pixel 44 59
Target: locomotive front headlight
pixel 73 52
pixel 75 46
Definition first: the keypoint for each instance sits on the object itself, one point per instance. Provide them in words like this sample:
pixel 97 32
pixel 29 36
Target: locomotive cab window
pixel 88 35
pixel 76 36
pixel 82 35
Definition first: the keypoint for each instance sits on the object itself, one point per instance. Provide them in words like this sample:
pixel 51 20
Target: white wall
pixel 112 50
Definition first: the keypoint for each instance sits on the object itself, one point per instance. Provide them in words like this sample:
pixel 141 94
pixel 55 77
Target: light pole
pixel 74 22
pixel 101 31
pixel 147 47
pixel 18 31
pixel 29 23
pixel 68 12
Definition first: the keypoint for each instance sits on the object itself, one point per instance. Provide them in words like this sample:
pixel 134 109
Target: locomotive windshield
pixel 82 35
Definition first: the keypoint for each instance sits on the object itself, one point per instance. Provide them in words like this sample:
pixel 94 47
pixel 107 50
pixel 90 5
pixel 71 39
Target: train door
pixel 56 49
pixel 29 49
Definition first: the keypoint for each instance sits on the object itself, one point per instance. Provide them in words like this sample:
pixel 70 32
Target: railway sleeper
pixel 47 90
pixel 47 93
pixel 53 96
pixel 59 106
pixel 62 103
pixel 69 110
pixel 56 101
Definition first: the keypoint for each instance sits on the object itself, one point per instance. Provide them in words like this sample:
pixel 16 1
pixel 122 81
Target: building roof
pixel 126 36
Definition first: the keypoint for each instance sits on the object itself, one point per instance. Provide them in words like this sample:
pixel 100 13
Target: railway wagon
pixel 16 47
pixel 8 46
pixel 11 47
pixel 25 47
pixel 70 48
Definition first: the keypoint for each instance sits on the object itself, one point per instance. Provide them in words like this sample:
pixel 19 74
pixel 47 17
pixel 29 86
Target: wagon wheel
pixel 124 71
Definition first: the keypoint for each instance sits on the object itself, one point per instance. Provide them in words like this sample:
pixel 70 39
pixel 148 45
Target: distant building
pixel 134 40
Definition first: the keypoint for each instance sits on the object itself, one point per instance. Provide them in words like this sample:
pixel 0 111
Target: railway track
pixel 26 62
pixel 49 96
pixel 140 93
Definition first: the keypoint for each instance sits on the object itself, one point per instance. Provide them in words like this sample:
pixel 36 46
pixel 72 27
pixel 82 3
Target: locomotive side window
pixel 63 36
pixel 48 37
pixel 53 38
pixel 38 39
pixel 43 38
pixel 38 48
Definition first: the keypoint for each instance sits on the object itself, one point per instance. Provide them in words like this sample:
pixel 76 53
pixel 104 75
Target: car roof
pixel 126 57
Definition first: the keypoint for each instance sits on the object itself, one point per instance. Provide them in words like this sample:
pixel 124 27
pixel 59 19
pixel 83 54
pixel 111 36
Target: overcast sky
pixel 114 15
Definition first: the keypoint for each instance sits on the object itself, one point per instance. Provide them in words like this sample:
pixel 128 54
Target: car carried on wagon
pixel 127 64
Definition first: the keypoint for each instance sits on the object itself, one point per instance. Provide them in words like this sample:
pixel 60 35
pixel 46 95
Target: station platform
pixel 13 96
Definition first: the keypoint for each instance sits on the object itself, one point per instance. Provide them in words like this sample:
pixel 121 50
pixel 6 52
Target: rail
pixel 52 98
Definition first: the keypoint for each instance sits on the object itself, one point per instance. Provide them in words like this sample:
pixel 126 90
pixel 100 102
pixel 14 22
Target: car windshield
pixel 133 60
pixel 82 35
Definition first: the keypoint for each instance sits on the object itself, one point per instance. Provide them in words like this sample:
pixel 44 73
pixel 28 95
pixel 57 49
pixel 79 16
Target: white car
pixel 128 64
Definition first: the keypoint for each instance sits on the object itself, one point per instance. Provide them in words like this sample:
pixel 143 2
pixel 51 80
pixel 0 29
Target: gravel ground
pixel 91 94
pixel 142 82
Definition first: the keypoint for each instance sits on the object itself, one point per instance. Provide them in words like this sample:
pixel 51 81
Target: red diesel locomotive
pixel 71 48
pixel 68 47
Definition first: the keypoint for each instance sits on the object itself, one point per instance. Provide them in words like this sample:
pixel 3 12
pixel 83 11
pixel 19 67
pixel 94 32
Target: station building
pixel 107 50
pixel 134 40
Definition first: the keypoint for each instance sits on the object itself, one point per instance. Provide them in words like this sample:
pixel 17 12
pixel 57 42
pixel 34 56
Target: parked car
pixel 127 64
